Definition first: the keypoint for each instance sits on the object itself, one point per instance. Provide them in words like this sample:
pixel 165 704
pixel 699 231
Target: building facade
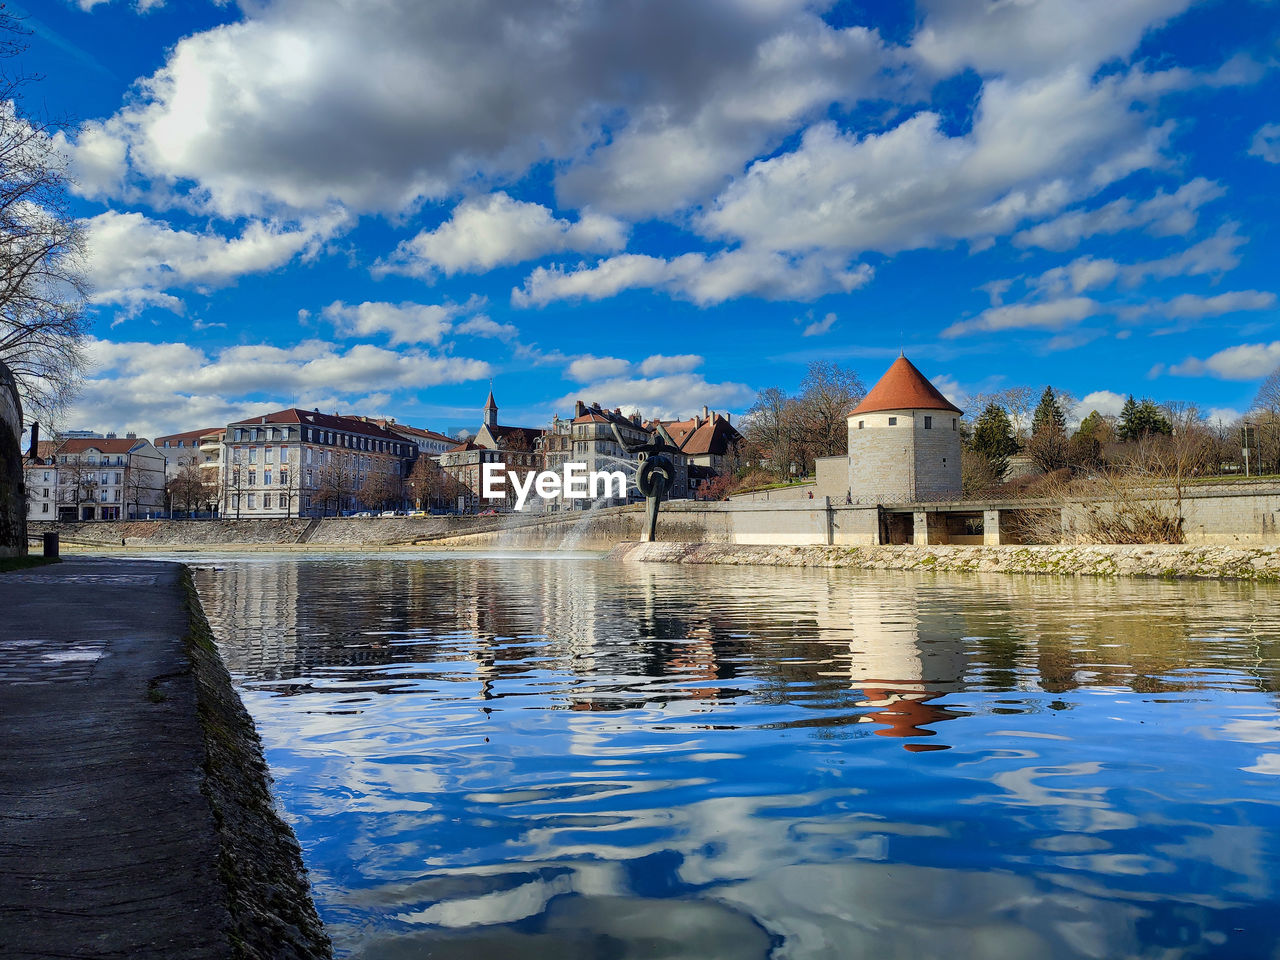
pixel 306 463
pixel 91 478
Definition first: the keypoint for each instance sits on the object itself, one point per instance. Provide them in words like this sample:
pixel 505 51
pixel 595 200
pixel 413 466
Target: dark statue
pixel 656 474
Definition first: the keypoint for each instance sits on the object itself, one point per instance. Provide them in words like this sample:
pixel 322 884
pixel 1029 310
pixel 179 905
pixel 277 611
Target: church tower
pixel 490 410
pixel 904 440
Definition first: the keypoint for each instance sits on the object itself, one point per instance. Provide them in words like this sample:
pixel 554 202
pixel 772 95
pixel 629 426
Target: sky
pixel 376 208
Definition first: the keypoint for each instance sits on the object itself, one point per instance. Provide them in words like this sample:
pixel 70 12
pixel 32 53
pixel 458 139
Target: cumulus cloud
pixel 282 108
pixel 1035 36
pixel 1049 315
pixel 482 326
pixel 588 368
pixel 161 387
pixel 1034 148
pixel 491 231
pixel 1164 215
pixel 1266 143
pixel 404 322
pixel 1247 361
pixel 132 259
pixel 1106 402
pixel 694 276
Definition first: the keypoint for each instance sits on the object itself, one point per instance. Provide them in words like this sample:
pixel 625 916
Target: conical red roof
pixel 903 387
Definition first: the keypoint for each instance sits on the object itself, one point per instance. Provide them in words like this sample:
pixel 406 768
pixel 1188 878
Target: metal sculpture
pixel 656 475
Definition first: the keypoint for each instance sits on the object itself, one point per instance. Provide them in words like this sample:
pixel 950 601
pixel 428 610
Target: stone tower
pixel 490 410
pixel 904 440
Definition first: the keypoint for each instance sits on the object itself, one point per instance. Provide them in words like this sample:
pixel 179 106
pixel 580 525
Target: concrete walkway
pixel 107 846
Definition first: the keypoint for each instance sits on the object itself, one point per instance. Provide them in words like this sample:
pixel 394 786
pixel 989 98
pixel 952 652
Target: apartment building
pixel 306 463
pixel 95 478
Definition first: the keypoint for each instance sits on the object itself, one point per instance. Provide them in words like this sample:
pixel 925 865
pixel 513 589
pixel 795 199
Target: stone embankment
pixel 137 818
pixel 1165 561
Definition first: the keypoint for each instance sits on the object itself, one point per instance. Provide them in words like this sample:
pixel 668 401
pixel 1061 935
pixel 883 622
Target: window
pixel 308 456
pixel 861 424
pixel 284 477
pixel 239 434
pixel 928 423
pixel 45 494
pixel 253 478
pixel 253 454
pixel 235 502
pixel 253 501
pixel 269 455
pixel 266 478
pixel 44 508
pixel 117 477
pixel 893 421
pixel 46 476
pixel 953 423
pixel 266 501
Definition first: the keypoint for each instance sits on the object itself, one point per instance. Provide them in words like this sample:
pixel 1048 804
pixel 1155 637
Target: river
pixel 561 757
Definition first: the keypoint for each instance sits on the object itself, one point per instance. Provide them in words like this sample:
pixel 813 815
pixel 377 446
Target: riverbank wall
pixel 138 819
pixel 1180 562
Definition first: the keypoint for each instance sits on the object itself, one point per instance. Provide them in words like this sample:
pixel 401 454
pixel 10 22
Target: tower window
pixel 953 423
pixel 928 423
pixel 893 421
pixel 861 424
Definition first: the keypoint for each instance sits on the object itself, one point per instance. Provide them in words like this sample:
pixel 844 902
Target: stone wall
pixel 1163 561
pixel 13 490
pixel 881 458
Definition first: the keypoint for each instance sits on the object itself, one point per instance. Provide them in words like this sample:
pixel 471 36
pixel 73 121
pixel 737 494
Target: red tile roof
pixel 903 387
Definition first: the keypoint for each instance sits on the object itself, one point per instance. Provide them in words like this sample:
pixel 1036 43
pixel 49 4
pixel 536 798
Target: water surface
pixel 559 757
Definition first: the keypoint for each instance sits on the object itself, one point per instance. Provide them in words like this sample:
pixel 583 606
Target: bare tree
pixel 189 487
pixel 827 393
pixel 42 285
pixel 771 429
pixel 381 490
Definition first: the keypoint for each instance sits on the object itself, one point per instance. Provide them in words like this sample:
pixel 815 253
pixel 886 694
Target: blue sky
pixel 376 208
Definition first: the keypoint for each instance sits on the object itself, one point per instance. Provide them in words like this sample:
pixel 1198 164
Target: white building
pixel 904 441
pixel 90 478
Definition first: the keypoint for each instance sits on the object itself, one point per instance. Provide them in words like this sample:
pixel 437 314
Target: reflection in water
pixel 500 757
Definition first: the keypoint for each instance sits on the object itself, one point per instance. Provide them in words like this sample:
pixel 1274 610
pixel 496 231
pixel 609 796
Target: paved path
pixel 107 846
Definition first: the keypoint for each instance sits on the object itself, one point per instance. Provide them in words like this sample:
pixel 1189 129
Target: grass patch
pixel 25 563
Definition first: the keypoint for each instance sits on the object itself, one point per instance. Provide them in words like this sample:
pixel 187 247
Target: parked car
pixel 387 513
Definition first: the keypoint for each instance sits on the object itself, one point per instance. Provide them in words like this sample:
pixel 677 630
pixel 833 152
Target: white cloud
pixel 588 368
pixel 405 322
pixel 694 276
pixel 818 327
pixel 659 364
pixel 482 326
pixel 1192 306
pixel 1214 255
pixel 1031 37
pixel 1248 361
pixel 164 387
pixel 1266 143
pixel 673 395
pixel 491 231
pixel 1164 214
pixel 1049 315
pixel 1106 402
pixel 131 259
pixel 1034 147
pixel 308 102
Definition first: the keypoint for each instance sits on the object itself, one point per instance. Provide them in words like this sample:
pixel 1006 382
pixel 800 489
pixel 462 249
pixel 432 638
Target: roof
pixel 527 435
pixel 467 444
pixel 903 387
pixel 697 436
pixel 188 435
pixel 407 431
pixel 80 445
pixel 491 402
pixel 314 418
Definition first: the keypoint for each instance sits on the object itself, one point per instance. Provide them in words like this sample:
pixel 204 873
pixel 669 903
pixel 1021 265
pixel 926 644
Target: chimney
pixel 131 435
pixel 704 411
pixel 579 408
pixel 111 435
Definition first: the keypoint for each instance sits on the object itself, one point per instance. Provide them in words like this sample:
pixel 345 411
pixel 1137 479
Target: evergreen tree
pixel 993 438
pixel 1125 427
pixel 1140 420
pixel 1048 446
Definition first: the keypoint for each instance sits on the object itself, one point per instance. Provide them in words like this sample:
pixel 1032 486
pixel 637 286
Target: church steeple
pixel 490 409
